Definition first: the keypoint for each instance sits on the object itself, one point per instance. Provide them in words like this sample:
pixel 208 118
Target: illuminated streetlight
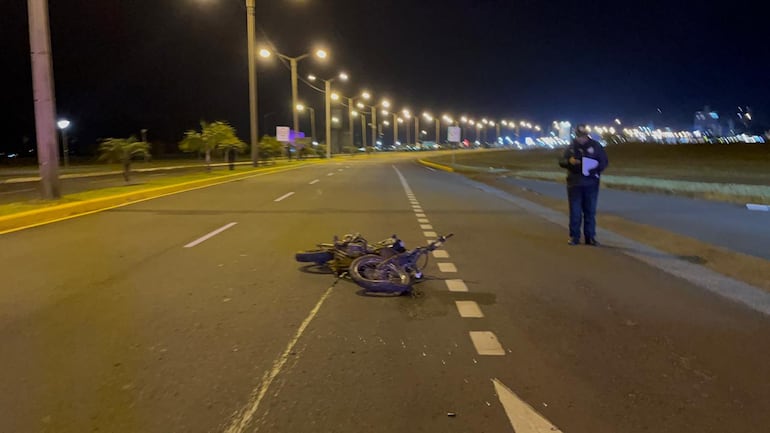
pixel 301 107
pixel 63 125
pixel 321 54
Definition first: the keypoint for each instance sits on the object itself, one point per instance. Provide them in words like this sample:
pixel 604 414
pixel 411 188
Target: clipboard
pixel 588 164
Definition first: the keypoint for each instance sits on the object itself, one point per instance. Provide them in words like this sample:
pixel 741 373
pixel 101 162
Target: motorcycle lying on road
pixel 395 273
pixel 339 254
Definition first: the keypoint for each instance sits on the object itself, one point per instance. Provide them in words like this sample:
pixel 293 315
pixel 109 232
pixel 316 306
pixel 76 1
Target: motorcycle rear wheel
pixel 318 256
pixel 369 272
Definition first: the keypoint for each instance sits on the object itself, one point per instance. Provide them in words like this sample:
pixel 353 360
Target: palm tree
pixel 122 150
pixel 213 136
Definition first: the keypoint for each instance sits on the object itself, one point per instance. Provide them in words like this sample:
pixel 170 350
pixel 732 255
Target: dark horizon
pixel 166 65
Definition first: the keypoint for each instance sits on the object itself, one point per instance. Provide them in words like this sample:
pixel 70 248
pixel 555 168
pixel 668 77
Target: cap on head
pixel 581 131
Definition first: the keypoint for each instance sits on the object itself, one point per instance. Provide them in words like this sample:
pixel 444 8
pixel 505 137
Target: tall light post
pixel 301 107
pixel 321 54
pixel 407 115
pixel 63 125
pixel 361 107
pixel 328 105
pixel 45 106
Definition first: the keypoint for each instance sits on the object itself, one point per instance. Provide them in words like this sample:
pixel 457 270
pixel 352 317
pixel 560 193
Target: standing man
pixel 584 160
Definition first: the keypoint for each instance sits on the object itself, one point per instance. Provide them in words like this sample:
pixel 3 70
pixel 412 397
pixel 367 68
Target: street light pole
pixel 363 129
pixel 350 122
pixel 45 107
pixel 253 106
pixel 295 113
pixel 416 130
pixel 328 101
pixel 395 129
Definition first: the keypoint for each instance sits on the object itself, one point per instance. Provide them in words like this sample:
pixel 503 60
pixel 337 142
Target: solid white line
pixel 210 235
pixel 314 182
pixel 486 343
pixel 447 267
pixel 426 227
pixel 441 254
pixel 430 234
pixel 240 423
pixel 18 190
pixel 523 417
pixel 456 285
pixel 287 195
pixel 469 309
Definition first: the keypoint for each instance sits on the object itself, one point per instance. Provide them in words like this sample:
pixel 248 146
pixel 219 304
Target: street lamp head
pixel 360 105
pixel 400 120
pixel 264 52
pixel 384 112
pixel 343 76
pixel 385 103
pixel 300 107
pixel 464 119
pixel 63 124
pixel 335 119
pixel 311 77
pixel 335 97
pixel 321 54
pixel 366 95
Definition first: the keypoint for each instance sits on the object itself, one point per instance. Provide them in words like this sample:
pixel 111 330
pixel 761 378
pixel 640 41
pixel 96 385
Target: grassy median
pixel 735 172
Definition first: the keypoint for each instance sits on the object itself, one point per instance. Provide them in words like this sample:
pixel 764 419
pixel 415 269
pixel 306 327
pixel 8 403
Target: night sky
pixel 121 66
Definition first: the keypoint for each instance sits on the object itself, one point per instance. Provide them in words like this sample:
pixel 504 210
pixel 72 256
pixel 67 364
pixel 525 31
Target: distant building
pixel 708 122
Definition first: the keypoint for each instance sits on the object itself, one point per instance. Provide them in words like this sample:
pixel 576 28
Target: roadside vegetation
pixel 734 172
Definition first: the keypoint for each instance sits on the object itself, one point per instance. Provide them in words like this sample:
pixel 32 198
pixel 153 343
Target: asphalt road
pixel 136 320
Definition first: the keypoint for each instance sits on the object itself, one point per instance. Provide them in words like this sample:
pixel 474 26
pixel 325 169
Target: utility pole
pixel 253 106
pixel 43 95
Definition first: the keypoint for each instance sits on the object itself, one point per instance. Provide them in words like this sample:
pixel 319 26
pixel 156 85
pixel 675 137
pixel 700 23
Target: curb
pixel 436 166
pixel 758 207
pixel 33 218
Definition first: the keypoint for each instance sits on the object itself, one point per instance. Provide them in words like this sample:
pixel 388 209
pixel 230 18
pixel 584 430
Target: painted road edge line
pixel 209 236
pixel 759 207
pixel 523 417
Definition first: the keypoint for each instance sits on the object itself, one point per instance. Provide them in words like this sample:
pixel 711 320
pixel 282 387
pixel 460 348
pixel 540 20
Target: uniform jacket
pixel 591 149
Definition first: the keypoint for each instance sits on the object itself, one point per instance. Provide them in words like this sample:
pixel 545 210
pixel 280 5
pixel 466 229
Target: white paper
pixel 588 164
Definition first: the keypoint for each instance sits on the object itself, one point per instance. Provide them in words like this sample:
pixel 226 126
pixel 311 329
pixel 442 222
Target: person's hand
pixel 574 161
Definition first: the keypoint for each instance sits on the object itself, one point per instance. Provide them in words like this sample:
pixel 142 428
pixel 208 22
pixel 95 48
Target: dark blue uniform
pixel 583 190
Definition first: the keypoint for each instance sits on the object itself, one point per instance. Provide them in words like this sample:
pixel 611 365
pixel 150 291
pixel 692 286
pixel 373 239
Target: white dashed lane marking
pixel 209 236
pixel 314 182
pixel 456 285
pixel 426 226
pixel 330 174
pixel 486 343
pixel 423 220
pixel 420 215
pixel 469 309
pixel 285 196
pixel 429 234
pixel 447 267
pixel 441 254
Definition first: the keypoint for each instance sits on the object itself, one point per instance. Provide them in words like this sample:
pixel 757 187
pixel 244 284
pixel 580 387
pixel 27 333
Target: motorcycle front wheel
pixel 372 274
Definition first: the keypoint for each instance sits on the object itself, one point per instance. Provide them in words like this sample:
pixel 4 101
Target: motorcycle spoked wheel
pixel 369 272
pixel 318 256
